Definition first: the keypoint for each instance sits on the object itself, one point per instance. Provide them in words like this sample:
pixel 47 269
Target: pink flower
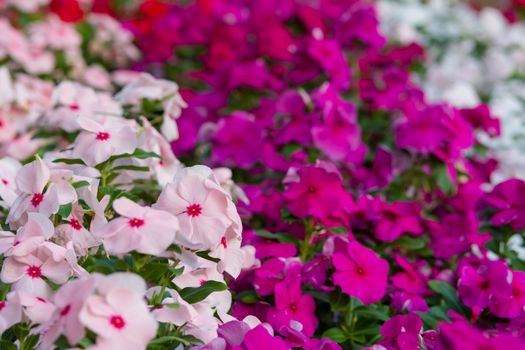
pixel 36 308
pixel 31 180
pixel 204 210
pixel 146 230
pixel 10 311
pixel 75 232
pixel 120 318
pixel 98 141
pixel 293 306
pixel 166 313
pixel 69 300
pixel 26 272
pixel 360 273
pixel 9 167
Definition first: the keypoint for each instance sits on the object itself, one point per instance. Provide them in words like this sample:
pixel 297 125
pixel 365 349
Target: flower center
pixel 117 321
pixel 103 136
pixel 34 271
pixel 515 292
pixel 1 123
pixel 202 282
pixel 42 300
pixel 136 222
pixel 37 199
pixel 223 242
pixel 360 271
pixel 485 285
pixel 311 189
pixel 293 307
pixel 74 107
pixel 194 210
pixel 2 305
pixel 65 310
pixel 5 182
pixel 75 224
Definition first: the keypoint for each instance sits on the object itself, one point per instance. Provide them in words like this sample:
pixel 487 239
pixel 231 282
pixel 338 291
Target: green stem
pixel 307 242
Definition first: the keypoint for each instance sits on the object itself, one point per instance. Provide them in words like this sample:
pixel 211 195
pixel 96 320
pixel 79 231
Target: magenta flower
pixel 396 219
pixel 318 193
pixel 460 335
pixel 508 199
pixel 259 338
pixel 511 303
pixel 360 273
pixel 402 332
pixel 293 306
pixel 238 139
pixel 424 131
pixel 477 285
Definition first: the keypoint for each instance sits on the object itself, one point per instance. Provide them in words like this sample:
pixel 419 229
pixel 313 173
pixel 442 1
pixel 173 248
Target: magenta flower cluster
pixel 244 175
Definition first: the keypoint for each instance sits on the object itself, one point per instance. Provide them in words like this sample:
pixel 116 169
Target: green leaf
pixel 281 237
pixel 448 293
pixel 443 180
pixel 69 161
pixel 141 154
pixel 193 295
pixel 172 305
pixel 65 210
pixel 131 167
pixel 380 313
pixel 411 243
pixel 248 297
pixel 4 344
pixel 336 335
pixel 340 230
pixel 80 184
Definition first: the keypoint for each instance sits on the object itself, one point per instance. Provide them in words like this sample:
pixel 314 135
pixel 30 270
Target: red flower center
pixel 312 189
pixel 37 199
pixel 74 107
pixel 5 182
pixel 117 321
pixel 293 307
pixel 194 210
pixel 75 224
pixel 516 292
pixel 223 242
pixel 103 136
pixel 202 282
pixel 2 305
pixel 42 300
pixel 485 285
pixel 34 271
pixel 65 310
pixel 136 222
pixel 360 271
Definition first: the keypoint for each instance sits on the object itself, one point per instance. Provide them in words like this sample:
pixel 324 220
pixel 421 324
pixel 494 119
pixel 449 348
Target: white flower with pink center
pixel 99 140
pixel 143 229
pixel 202 207
pixel 120 318
pixel 31 181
